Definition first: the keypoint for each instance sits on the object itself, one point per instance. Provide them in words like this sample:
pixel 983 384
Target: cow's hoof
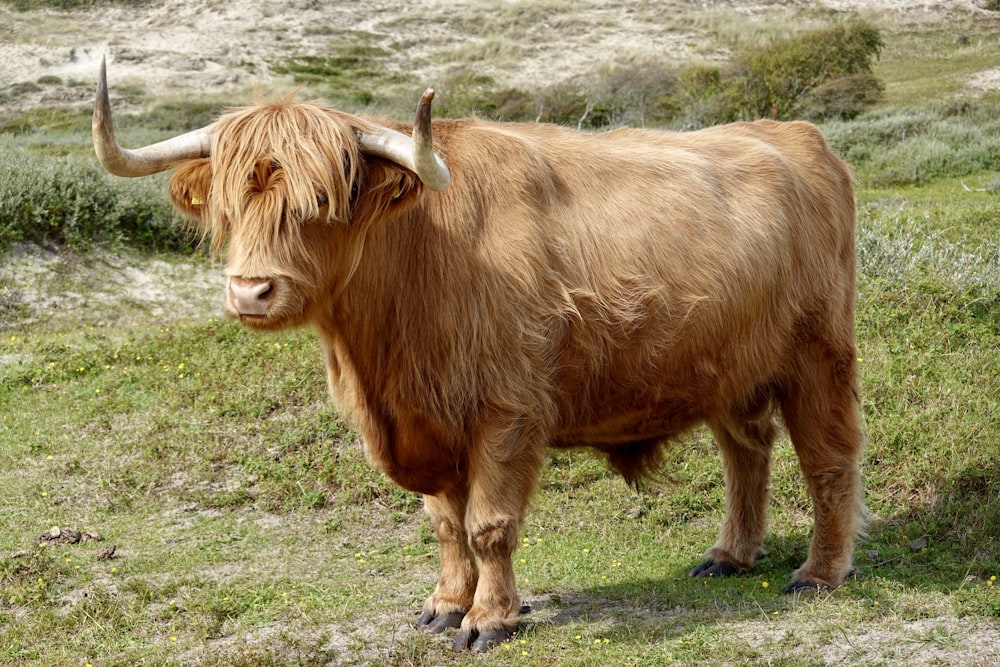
pixel 802 586
pixel 480 642
pixel 716 568
pixel 437 623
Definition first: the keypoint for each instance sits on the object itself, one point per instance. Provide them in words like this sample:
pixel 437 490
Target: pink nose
pixel 250 296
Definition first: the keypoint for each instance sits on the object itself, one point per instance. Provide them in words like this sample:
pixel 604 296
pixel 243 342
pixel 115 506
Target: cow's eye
pixel 322 200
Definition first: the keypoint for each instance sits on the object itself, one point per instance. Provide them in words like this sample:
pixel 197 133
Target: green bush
pixel 68 201
pixel 632 93
pixel 842 98
pixel 791 77
pixel 636 93
pixel 825 74
pixel 701 94
pixel 566 103
pixel 467 93
pixel 821 75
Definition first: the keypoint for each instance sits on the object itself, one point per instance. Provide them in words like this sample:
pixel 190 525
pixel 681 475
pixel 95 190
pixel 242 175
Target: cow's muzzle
pixel 250 296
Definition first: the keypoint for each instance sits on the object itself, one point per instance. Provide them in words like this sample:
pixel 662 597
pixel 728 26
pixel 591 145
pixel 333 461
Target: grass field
pixel 249 530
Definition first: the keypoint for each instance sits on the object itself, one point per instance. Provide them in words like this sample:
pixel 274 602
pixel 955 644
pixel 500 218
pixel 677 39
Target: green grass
pixel 352 74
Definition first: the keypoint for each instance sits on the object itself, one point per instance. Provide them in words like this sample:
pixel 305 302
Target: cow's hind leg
pixel 452 597
pixel 745 439
pixel 502 477
pixel 820 408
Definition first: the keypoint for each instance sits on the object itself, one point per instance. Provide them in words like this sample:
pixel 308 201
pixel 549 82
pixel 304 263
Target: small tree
pixel 822 74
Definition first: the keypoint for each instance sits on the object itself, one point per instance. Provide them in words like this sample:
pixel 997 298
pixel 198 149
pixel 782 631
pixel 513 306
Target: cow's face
pixel 276 195
pixel 289 196
pixel 289 189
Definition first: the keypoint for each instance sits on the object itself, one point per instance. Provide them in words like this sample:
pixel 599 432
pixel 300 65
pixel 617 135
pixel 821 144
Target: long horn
pixel 416 153
pixel 141 161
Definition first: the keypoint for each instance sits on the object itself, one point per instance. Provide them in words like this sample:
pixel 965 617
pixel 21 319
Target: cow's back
pixel 678 267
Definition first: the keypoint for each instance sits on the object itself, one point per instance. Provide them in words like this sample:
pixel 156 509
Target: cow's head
pixel 288 188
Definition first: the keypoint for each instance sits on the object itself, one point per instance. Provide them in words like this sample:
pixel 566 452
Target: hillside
pixel 167 50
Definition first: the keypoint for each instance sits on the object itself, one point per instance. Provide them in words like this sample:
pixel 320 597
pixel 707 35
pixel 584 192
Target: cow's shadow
pixel 939 546
pixel 939 543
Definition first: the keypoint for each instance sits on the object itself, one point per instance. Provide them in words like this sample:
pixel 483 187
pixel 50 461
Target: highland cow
pixel 493 289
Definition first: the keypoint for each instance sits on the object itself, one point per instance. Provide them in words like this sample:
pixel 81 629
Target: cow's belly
pixel 629 425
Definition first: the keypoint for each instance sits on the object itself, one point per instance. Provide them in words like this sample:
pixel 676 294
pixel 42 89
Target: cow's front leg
pixel 501 482
pixel 456 586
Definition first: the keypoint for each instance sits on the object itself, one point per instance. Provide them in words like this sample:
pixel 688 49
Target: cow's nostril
pixel 263 290
pixel 250 296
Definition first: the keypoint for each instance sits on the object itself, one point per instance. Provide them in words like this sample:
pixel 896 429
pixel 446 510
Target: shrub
pixel 68 201
pixel 843 98
pixel 566 104
pixel 702 94
pixel 630 93
pixel 821 75
pixel 892 148
pixel 639 93
pixel 468 93
pixel 781 81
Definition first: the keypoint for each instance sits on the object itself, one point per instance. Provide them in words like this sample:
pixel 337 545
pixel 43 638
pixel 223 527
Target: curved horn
pixel 416 153
pixel 141 161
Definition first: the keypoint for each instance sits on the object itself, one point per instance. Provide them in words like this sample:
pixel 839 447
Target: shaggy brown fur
pixel 566 289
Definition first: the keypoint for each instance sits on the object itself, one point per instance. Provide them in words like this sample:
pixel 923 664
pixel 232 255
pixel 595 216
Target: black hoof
pixel 802 586
pixel 437 623
pixel 480 642
pixel 713 568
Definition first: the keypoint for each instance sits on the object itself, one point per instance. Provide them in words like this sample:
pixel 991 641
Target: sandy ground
pixel 174 47
pixel 66 290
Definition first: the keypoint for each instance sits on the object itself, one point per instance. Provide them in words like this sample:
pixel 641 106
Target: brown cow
pixel 545 288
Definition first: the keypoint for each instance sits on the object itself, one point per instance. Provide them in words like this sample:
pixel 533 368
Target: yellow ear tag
pixel 398 191
pixel 196 200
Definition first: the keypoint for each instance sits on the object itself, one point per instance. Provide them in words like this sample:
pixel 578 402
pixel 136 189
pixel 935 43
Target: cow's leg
pixel 501 478
pixel 820 408
pixel 456 586
pixel 745 441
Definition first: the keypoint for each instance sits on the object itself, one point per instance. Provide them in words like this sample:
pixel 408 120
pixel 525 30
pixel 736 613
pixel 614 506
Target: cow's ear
pixel 189 187
pixel 386 189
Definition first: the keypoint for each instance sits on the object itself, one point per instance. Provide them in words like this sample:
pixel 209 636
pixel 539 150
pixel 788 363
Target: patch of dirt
pixel 985 81
pixel 942 640
pixel 368 643
pixel 57 535
pixel 103 288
